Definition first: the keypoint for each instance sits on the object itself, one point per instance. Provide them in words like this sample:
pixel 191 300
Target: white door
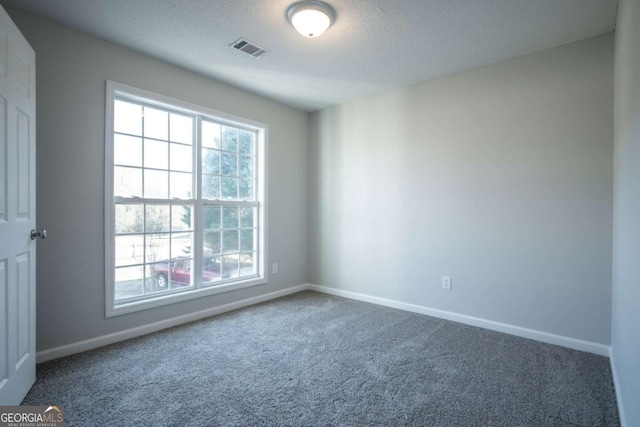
pixel 17 213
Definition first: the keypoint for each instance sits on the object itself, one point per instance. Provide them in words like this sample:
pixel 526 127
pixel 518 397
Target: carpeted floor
pixel 316 360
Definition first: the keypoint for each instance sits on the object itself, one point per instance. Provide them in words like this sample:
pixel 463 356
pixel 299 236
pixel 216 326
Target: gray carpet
pixel 316 360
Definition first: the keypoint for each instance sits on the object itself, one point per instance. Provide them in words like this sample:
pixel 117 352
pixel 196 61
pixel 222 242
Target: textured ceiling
pixel 374 45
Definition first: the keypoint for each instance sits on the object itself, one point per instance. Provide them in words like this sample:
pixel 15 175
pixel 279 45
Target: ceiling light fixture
pixel 310 18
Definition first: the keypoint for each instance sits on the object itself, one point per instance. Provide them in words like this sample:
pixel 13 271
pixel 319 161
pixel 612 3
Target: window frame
pixel 117 90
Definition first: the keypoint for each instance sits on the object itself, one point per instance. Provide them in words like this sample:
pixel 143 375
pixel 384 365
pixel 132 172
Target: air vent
pixel 248 47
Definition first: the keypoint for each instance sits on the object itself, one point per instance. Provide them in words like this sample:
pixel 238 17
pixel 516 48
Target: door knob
pixel 35 234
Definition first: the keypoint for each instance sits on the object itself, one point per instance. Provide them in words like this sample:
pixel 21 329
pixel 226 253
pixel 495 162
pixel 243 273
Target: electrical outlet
pixel 446 282
pixel 274 268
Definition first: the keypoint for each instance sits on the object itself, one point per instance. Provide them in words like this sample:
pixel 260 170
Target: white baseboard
pixel 616 387
pixel 90 344
pixel 576 344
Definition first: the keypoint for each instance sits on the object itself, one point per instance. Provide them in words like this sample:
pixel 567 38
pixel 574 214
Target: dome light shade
pixel 310 18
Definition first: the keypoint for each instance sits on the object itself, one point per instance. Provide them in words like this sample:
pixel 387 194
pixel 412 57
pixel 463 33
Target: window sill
pixel 162 300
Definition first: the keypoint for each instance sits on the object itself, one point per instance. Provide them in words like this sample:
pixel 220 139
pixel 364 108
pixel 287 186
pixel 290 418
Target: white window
pixel 185 201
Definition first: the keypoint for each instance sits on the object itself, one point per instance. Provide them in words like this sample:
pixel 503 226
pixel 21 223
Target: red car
pixel 179 269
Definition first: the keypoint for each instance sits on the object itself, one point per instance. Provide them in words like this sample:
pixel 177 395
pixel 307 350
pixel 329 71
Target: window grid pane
pixel 166 145
pixel 150 239
pixel 228 163
pixel 230 235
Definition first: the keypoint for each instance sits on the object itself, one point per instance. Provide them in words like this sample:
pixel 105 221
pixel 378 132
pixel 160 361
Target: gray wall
pixel 625 331
pixel 500 177
pixel 71 73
